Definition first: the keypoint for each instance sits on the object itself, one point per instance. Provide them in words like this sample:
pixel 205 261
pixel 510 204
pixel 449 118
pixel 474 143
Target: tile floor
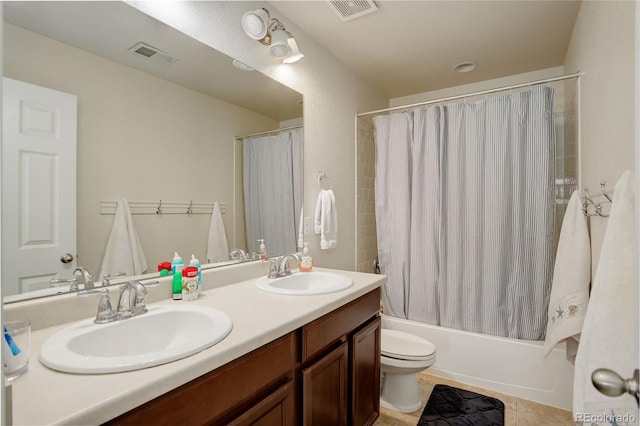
pixel 517 411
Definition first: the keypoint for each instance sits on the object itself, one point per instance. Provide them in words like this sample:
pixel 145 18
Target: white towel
pixel 571 278
pixel 609 338
pixel 124 251
pixel 217 245
pixel 326 219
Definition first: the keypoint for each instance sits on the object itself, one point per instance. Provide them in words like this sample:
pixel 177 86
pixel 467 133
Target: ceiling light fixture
pixel 259 25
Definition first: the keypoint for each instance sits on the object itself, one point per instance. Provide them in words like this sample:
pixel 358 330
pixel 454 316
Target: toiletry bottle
pixel 176 269
pixel 164 268
pixel 189 283
pixel 262 250
pixel 196 263
pixel 307 261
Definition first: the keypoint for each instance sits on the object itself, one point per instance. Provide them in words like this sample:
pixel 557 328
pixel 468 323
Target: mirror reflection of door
pixel 39 127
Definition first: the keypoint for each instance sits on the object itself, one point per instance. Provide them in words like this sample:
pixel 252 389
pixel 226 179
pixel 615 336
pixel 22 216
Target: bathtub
pixel 509 366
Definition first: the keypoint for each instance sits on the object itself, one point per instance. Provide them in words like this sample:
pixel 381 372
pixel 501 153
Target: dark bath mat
pixel 448 406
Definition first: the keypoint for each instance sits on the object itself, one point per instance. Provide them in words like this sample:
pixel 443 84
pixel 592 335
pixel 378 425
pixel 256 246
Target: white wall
pixel 141 138
pixel 332 97
pixel 602 47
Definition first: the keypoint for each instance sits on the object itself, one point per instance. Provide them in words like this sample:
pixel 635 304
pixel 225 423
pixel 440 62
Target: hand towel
pixel 124 251
pixel 326 219
pixel 217 245
pixel 609 338
pixel 571 279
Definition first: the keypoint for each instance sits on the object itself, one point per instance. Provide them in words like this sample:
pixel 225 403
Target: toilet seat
pixel 404 346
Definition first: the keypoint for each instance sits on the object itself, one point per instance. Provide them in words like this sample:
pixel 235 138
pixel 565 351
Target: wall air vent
pixel 152 54
pixel 352 9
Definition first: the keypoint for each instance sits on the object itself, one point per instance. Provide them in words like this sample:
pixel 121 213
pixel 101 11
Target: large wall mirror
pixel 171 136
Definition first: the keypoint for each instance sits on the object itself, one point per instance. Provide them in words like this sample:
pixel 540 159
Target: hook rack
pixel 322 177
pixel 162 207
pixel 590 207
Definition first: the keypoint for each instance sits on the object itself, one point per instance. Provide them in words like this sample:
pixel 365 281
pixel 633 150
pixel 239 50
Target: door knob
pixel 66 258
pixel 610 383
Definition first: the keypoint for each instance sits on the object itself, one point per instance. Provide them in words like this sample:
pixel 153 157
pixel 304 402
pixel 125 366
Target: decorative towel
pixel 326 219
pixel 217 245
pixel 571 278
pixel 609 336
pixel 124 251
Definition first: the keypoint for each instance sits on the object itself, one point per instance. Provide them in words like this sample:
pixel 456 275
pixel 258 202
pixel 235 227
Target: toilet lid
pixel 401 345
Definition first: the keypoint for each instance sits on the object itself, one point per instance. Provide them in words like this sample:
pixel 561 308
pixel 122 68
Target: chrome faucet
pixel 239 254
pixel 87 279
pixel 280 268
pixel 131 301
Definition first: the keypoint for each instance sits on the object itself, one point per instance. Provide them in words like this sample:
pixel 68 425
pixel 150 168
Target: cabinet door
pixel 365 374
pixel 277 409
pixel 324 389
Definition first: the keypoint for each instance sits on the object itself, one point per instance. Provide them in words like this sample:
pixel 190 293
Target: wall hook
pixel 159 209
pixel 189 210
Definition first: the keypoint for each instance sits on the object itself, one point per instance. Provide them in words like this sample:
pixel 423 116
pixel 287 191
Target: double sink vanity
pixel 303 349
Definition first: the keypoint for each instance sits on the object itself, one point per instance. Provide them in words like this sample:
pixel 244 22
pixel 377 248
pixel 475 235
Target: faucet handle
pixel 273 268
pixel 73 283
pixel 108 276
pixel 105 312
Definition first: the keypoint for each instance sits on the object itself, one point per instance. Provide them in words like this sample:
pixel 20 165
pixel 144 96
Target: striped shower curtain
pixel 464 211
pixel 272 183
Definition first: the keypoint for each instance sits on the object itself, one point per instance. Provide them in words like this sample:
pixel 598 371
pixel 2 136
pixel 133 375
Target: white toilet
pixel 403 355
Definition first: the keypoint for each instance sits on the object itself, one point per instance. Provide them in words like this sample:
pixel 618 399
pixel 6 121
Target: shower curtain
pixel 464 211
pixel 272 183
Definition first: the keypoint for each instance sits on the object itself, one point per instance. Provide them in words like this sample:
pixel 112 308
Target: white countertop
pixel 44 396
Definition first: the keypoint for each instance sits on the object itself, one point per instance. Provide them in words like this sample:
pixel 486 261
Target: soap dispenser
pixel 262 249
pixel 306 263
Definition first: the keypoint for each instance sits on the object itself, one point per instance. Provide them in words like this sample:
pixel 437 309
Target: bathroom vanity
pixel 288 360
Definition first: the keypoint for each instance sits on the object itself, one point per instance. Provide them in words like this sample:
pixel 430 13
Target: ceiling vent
pixel 352 9
pixel 152 54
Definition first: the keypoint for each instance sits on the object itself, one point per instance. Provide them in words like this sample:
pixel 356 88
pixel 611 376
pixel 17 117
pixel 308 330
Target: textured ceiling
pixel 409 47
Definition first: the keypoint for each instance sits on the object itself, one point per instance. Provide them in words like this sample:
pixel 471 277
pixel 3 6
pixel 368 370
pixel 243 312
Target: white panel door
pixel 39 128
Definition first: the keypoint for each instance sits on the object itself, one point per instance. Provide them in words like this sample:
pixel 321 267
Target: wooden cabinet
pixel 365 374
pixel 342 385
pixel 325 373
pixel 325 389
pixel 224 393
pixel 277 409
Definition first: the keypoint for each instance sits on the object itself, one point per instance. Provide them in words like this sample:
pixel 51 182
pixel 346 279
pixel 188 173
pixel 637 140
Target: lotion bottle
pixel 196 263
pixel 307 261
pixel 262 250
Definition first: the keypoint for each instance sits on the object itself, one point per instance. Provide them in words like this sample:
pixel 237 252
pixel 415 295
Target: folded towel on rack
pixel 571 279
pixel 609 337
pixel 326 219
pixel 217 245
pixel 124 251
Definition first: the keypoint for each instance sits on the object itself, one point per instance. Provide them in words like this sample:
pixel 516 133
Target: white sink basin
pixel 305 283
pixel 166 333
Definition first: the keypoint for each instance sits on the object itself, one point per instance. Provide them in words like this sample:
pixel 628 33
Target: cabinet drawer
pixel 219 393
pixel 323 332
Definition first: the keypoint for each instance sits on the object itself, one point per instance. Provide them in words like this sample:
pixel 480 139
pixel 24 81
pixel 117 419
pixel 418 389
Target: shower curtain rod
pixel 269 131
pixel 483 92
